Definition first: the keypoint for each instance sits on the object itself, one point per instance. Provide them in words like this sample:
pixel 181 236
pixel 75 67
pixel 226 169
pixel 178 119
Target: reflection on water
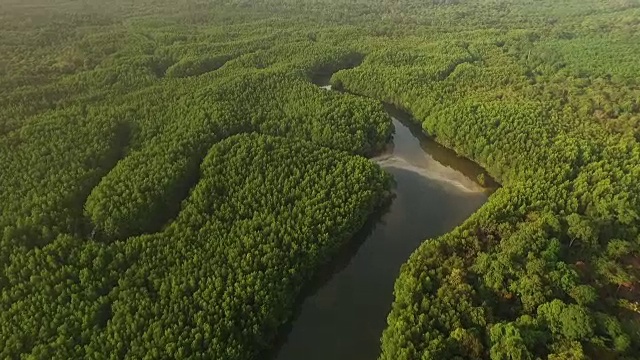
pixel 345 317
pixel 412 145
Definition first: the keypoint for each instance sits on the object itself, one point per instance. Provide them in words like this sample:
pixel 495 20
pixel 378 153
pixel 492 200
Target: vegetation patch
pixel 171 178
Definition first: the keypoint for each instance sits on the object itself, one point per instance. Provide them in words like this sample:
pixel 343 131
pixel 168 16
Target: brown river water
pixel 344 315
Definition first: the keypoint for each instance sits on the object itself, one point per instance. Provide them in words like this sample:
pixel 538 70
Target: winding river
pixel 345 314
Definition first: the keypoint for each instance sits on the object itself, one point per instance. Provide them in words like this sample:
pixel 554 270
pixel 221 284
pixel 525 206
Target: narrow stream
pixel 345 317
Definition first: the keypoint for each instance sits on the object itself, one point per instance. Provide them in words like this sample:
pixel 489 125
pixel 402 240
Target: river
pixel 343 318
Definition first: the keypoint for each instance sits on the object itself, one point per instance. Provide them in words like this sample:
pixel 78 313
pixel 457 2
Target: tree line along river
pixel 344 313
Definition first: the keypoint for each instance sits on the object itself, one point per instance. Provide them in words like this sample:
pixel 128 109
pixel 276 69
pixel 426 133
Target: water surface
pixel 345 316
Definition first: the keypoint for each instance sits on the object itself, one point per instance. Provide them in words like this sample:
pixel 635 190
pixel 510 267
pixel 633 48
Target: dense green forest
pixel 171 178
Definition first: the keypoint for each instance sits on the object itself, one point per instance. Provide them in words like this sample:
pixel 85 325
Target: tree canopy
pixel 171 177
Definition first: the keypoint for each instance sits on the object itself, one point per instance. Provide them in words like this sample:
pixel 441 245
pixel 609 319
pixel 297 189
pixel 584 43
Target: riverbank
pixel 345 316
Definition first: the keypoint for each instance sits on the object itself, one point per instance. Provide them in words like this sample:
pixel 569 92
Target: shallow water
pixel 344 318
